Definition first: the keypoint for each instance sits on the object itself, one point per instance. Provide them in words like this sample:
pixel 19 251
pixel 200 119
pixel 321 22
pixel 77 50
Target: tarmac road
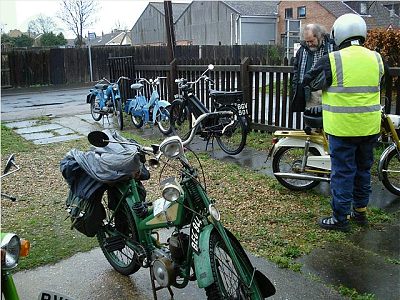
pixel 89 276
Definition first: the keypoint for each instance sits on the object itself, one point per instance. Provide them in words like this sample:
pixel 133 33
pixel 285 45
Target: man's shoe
pixel 360 218
pixel 331 223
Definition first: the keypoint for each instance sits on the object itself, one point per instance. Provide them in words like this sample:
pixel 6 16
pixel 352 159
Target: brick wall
pixel 315 13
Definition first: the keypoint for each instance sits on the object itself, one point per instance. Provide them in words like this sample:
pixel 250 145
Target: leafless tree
pixel 78 15
pixel 42 24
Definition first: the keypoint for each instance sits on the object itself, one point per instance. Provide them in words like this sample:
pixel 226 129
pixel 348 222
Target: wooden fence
pixel 266 87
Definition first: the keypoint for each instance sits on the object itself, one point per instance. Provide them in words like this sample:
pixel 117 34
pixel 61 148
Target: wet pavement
pixel 367 261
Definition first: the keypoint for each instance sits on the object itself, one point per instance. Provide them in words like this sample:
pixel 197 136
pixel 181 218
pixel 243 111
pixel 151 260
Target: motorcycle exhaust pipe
pixel 302 177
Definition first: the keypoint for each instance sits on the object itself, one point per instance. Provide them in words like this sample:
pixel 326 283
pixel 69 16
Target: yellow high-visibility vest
pixel 351 105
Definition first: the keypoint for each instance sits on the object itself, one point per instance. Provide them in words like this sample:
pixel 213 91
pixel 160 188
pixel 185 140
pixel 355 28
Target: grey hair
pixel 317 30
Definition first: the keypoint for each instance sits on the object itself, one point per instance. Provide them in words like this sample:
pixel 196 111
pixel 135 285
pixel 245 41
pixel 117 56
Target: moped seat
pixel 227 97
pixel 101 86
pixel 136 86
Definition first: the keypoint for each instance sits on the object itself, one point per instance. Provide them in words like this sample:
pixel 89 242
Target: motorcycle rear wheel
pixel 124 260
pixel 93 103
pixel 119 114
pixel 137 121
pixel 234 138
pixel 227 284
pixel 288 160
pixel 391 172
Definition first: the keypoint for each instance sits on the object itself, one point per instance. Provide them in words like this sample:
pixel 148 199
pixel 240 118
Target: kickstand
pixel 155 289
pixel 108 120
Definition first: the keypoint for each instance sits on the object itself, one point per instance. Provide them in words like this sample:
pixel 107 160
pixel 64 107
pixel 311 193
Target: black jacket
pixel 298 102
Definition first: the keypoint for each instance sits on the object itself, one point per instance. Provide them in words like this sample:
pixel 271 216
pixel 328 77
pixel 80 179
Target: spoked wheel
pixel 162 119
pixel 95 108
pixel 233 140
pixel 112 240
pixel 137 121
pixel 180 119
pixel 118 114
pixel 289 160
pixel 391 172
pixel 227 283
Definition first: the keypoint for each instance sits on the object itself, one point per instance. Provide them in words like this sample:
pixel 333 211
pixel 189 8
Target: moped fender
pixel 163 103
pixel 383 158
pixel 202 262
pixel 298 143
pixel 89 97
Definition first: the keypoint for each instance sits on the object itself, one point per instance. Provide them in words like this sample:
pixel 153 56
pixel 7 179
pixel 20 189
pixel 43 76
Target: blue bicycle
pixel 153 110
pixel 105 99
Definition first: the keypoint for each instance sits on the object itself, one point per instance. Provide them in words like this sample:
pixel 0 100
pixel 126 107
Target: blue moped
pixel 153 110
pixel 105 99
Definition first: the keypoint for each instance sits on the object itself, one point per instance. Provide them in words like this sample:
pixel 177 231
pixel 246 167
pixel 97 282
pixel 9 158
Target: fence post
pixel 172 76
pixel 246 87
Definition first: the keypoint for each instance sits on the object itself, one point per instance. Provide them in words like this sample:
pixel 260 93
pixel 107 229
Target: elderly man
pixel 315 44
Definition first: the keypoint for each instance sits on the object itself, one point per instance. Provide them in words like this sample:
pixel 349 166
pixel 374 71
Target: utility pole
pixel 169 26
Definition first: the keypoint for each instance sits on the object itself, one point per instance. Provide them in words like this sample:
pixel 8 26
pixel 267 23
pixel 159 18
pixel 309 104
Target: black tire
pixel 391 172
pixel 94 105
pixel 125 260
pixel 163 120
pixel 180 119
pixel 137 121
pixel 226 278
pixel 288 160
pixel 119 114
pixel 234 138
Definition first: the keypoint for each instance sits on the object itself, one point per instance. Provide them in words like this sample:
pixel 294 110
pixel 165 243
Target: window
pixel 301 12
pixel 363 8
pixel 288 13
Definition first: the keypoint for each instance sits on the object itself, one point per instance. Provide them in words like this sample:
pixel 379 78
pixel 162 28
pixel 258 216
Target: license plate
pixel 242 109
pixel 48 295
pixel 195 228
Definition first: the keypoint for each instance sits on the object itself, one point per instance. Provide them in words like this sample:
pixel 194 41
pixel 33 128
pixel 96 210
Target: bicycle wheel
pixel 95 108
pixel 119 114
pixel 227 283
pixel 234 138
pixel 122 258
pixel 162 119
pixel 180 119
pixel 289 160
pixel 391 172
pixel 137 121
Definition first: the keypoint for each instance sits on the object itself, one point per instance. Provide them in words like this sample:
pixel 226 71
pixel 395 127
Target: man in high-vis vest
pixel 351 111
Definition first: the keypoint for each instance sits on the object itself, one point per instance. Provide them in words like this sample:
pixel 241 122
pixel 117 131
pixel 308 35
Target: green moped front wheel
pixel 227 282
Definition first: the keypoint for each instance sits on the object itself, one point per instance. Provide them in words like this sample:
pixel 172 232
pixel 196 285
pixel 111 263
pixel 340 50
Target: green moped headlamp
pixel 12 248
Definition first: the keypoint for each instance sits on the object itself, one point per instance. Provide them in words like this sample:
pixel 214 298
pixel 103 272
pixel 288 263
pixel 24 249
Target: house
pixel 228 23
pixel 149 29
pixel 209 23
pixel 293 15
pixel 116 37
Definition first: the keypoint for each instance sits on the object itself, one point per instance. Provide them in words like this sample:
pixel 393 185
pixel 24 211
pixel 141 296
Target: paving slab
pixel 76 124
pixel 21 124
pixel 63 131
pixel 37 136
pixel 57 139
pixel 40 128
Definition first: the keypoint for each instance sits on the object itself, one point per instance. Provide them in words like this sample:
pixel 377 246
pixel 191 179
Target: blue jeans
pixel 351 159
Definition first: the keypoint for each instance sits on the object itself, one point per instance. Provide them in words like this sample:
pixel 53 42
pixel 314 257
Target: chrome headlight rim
pixel 10 248
pixel 171 189
pixel 172 147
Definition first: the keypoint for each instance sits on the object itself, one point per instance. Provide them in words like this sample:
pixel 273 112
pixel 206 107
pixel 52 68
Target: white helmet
pixel 347 27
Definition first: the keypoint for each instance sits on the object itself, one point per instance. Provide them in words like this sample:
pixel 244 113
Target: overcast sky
pixel 16 14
